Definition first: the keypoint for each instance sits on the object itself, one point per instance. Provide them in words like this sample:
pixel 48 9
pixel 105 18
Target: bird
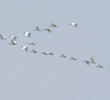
pixel 28 34
pixel 25 48
pixel 31 43
pixel 53 25
pixel 73 24
pixel 37 28
pixel 87 62
pixel 2 37
pixel 12 42
pixel 73 58
pixel 13 37
pixel 34 51
pixel 99 66
pixel 63 56
pixel 50 53
pixel 44 53
pixel 92 60
pixel 48 30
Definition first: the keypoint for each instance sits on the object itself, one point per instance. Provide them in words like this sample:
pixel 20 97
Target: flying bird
pixel 37 28
pixel 50 53
pixel 92 60
pixel 48 30
pixel 73 58
pixel 25 48
pixel 28 34
pixel 31 43
pixel 63 56
pixel 34 51
pixel 53 25
pixel 73 24
pixel 99 66
pixel 12 42
pixel 2 37
pixel 87 62
pixel 44 53
pixel 13 37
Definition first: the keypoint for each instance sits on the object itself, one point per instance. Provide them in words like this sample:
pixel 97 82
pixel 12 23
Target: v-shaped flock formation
pixel 13 41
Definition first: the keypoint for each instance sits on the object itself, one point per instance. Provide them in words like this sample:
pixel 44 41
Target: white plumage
pixel 92 60
pixel 25 48
pixel 28 34
pixel 13 37
pixel 12 42
pixel 37 28
pixel 2 37
pixel 73 24
pixel 34 51
pixel 31 43
pixel 73 58
pixel 53 25
pixel 99 66
pixel 63 56
pixel 87 62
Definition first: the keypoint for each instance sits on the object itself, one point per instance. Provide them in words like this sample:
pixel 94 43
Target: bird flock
pixel 26 47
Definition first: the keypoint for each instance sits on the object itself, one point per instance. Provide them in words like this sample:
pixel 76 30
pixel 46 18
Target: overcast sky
pixel 25 76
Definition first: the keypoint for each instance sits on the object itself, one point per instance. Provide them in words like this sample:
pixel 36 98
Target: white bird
pixel 51 53
pixel 48 30
pixel 73 24
pixel 44 53
pixel 28 34
pixel 31 43
pixel 92 60
pixel 34 51
pixel 63 56
pixel 53 25
pixel 73 58
pixel 25 48
pixel 13 37
pixel 87 62
pixel 99 66
pixel 12 42
pixel 2 37
pixel 37 28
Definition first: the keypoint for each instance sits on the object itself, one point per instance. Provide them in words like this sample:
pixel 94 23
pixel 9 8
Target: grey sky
pixel 36 77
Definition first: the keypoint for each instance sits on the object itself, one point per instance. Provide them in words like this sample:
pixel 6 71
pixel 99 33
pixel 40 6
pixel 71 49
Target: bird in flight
pixel 25 48
pixel 99 66
pixel 48 30
pixel 2 37
pixel 63 56
pixel 13 37
pixel 31 43
pixel 73 24
pixel 92 60
pixel 73 58
pixel 34 51
pixel 12 42
pixel 28 34
pixel 53 25
pixel 44 53
pixel 37 28
pixel 50 53
pixel 87 62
